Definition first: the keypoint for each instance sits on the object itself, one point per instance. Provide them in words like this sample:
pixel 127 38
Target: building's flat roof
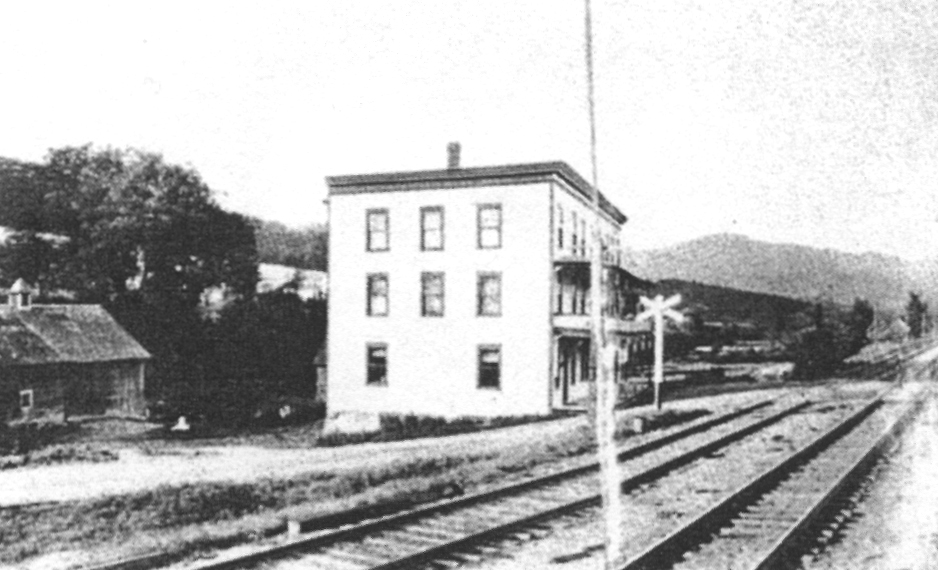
pixel 389 181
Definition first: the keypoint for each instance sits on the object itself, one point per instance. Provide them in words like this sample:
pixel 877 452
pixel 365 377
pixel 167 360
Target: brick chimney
pixel 452 154
pixel 19 295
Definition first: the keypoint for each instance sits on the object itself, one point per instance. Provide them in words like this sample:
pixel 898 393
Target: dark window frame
pixel 423 228
pixel 481 278
pixel 371 367
pixel 425 280
pixel 369 235
pixel 560 222
pixel 370 281
pixel 29 393
pixel 480 230
pixel 584 237
pixel 484 369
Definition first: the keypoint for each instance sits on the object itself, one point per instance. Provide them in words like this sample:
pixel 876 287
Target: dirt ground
pixel 174 465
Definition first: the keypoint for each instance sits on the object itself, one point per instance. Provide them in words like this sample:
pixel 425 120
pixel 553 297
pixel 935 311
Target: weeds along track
pixel 449 527
pixel 770 521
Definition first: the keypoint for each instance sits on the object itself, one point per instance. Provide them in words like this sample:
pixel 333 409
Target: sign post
pixel 659 308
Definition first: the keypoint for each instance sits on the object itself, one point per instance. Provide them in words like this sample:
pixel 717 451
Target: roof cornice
pixel 422 179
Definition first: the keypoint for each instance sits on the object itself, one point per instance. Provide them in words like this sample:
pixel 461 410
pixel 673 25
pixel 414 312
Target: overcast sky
pixel 807 122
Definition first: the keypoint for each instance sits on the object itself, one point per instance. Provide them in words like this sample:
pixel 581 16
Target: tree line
pixel 147 239
pixel 303 248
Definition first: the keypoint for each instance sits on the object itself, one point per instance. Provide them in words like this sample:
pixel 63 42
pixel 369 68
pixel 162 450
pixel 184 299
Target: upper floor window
pixel 559 227
pixel 26 399
pixel 583 236
pixel 377 295
pixel 377 230
pixel 490 366
pixel 431 228
pixel 574 240
pixel 432 290
pixel 377 367
pixel 490 294
pixel 490 226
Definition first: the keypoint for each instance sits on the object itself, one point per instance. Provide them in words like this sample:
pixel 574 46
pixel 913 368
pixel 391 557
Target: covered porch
pixel 572 365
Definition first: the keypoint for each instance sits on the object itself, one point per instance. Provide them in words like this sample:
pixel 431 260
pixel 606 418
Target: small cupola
pixel 19 295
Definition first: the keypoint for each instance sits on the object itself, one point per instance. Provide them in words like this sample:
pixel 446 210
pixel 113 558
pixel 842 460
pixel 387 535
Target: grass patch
pixel 399 427
pixel 43 444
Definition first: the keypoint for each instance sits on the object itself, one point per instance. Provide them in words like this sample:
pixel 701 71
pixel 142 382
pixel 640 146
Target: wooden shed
pixel 61 361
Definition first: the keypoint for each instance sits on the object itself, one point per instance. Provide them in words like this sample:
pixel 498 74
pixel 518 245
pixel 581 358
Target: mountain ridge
pixel 790 270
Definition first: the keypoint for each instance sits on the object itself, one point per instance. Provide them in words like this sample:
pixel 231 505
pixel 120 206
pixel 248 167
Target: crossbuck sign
pixel 659 308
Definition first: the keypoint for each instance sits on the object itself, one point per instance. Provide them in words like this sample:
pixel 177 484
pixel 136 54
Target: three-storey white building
pixel 464 291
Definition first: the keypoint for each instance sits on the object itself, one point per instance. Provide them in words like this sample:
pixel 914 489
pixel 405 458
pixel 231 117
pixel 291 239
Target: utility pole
pixel 602 356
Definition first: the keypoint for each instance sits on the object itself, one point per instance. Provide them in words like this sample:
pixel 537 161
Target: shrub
pixel 396 427
pixel 71 453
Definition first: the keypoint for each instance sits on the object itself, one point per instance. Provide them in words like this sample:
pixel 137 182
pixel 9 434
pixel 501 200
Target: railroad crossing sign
pixel 659 308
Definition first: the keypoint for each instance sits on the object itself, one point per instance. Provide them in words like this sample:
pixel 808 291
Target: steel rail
pixel 890 361
pixel 788 542
pixel 667 550
pixel 361 531
pixel 152 560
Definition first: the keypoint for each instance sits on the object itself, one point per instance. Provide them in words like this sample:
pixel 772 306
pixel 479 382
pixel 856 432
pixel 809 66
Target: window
pixel 377 295
pixel 582 237
pixel 432 288
pixel 377 230
pixel 490 226
pixel 26 399
pixel 490 294
pixel 377 364
pixel 559 227
pixel 431 228
pixel 490 366
pixel 574 241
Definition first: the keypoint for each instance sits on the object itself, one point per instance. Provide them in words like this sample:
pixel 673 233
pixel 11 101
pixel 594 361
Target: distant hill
pixel 789 270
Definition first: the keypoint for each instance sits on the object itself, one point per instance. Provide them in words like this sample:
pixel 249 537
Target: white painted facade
pixel 432 362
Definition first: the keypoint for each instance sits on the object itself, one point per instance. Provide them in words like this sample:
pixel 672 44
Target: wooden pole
pixel 602 356
pixel 659 352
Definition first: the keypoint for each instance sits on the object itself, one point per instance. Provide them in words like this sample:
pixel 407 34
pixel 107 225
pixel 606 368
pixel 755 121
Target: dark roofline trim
pixel 464 177
pixel 76 362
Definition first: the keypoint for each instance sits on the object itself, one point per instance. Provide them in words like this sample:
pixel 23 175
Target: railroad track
pixel 773 519
pixel 887 364
pixel 458 526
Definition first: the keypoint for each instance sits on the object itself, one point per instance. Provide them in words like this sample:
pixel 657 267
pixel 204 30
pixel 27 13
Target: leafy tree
pixel 916 311
pixel 115 221
pixel 128 230
pixel 305 248
pixel 263 347
pixel 815 350
pixel 858 323
pixel 837 334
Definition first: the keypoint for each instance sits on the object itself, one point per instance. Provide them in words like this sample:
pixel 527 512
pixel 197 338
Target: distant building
pixel 465 291
pixel 310 284
pixel 60 361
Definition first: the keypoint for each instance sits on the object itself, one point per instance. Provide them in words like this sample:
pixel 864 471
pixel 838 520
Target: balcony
pixel 571 297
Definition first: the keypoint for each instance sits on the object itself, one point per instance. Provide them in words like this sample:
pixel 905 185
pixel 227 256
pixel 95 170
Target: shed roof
pixel 48 334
